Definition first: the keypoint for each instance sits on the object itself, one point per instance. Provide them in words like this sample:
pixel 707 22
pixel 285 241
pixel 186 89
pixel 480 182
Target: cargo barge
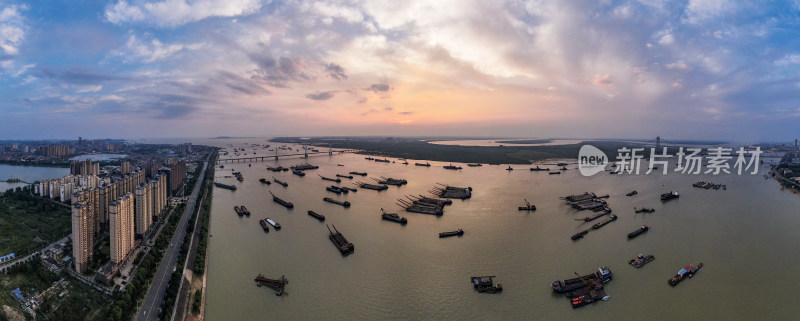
pixel 330 179
pixel 338 240
pixel 638 232
pixel 539 169
pixel 245 211
pixel 485 284
pixel 330 200
pixel 394 217
pixel 264 225
pixel 280 201
pixel 359 173
pixel 274 224
pixel 225 186
pixel 688 271
pixel 344 176
pixel 280 182
pixel 277 285
pixel 641 260
pixel 457 232
pixel 603 274
pixel 668 196
pixel 372 186
pixel 264 181
pixel 527 207
pixel 316 215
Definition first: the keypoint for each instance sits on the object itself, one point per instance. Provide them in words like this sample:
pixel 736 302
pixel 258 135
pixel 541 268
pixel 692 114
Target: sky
pixel 696 69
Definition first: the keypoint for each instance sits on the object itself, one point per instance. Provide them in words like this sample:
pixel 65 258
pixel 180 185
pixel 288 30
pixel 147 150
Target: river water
pixel 28 174
pixel 745 236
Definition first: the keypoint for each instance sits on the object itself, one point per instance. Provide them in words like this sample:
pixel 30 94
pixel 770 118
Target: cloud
pixel 405 113
pixel 89 89
pixel 788 60
pixel 241 84
pixel 170 13
pixel 336 71
pixel 76 75
pixel 321 95
pixel 379 87
pixel 282 72
pixel 11 29
pixel 149 50
pixel 679 65
pixel 603 80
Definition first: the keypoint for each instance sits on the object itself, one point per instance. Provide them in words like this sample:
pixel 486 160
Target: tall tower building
pixel 144 208
pixel 82 236
pixel 125 168
pixel 121 228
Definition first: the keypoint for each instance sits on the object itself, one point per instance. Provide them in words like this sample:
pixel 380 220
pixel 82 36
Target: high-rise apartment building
pixel 144 208
pixel 82 236
pixel 121 227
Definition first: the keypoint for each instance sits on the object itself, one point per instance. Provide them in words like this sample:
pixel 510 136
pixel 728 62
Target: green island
pixel 419 148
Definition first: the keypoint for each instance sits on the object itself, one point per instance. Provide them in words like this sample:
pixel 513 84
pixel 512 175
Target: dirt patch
pixel 12 314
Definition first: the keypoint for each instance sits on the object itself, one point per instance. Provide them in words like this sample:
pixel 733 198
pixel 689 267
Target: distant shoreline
pixel 420 149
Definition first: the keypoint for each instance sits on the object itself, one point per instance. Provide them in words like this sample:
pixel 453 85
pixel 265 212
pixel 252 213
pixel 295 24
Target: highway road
pixel 155 294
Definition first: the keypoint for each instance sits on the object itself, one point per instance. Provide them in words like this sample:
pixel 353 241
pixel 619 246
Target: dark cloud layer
pixel 321 95
pixel 336 71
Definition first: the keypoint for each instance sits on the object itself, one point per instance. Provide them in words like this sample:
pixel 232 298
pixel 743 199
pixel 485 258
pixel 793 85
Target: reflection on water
pixel 505 142
pixel 745 236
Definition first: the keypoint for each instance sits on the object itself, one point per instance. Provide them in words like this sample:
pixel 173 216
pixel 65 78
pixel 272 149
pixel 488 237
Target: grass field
pixel 29 222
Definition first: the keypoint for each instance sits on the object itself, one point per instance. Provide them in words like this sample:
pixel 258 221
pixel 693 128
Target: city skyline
pixel 686 70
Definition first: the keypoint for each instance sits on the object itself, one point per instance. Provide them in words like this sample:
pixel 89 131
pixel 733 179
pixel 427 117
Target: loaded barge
pixel 603 274
pixel 344 176
pixel 298 172
pixel 685 272
pixel 264 181
pixel 485 284
pixel 641 260
pixel 225 186
pixel 644 210
pixel 638 232
pixel 339 241
pixel 316 215
pixel 359 173
pixel 330 200
pixel 245 211
pixel 457 232
pixel 280 201
pixel 276 285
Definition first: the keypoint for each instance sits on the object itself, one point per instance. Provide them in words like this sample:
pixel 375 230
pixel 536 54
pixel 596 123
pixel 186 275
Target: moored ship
pixel 602 274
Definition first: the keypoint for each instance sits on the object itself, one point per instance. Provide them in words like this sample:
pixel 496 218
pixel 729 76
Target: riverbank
pixel 420 149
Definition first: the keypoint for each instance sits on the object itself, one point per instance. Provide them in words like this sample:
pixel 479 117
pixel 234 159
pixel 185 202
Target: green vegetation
pixel 418 148
pixel 125 303
pixel 196 301
pixel 67 299
pixel 29 222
